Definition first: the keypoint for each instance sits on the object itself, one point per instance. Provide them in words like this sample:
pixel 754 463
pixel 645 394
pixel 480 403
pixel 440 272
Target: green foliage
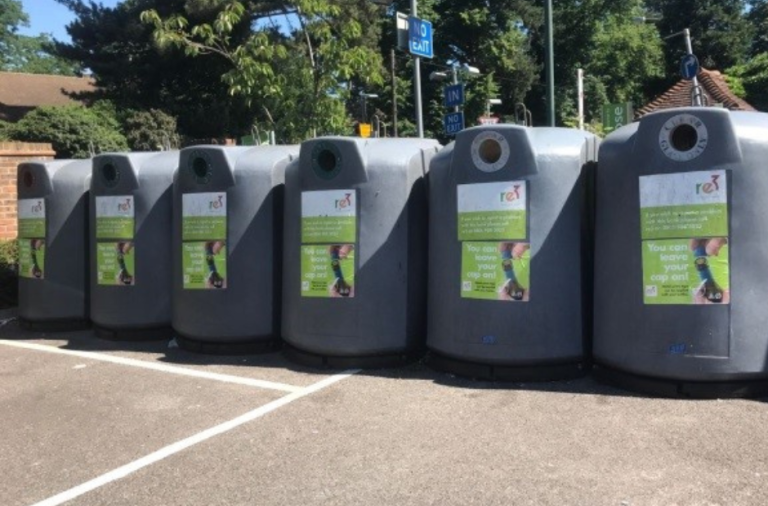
pixel 758 18
pixel 20 53
pixel 9 262
pixel 150 130
pixel 721 34
pixel 297 79
pixel 4 130
pixel 134 73
pixel 753 78
pixel 71 129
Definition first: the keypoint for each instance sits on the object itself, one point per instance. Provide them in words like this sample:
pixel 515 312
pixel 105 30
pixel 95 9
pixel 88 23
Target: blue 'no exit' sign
pixel 420 37
pixel 453 123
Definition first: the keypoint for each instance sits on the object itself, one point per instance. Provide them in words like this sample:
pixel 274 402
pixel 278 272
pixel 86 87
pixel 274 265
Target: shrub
pixel 150 130
pixel 9 261
pixel 71 129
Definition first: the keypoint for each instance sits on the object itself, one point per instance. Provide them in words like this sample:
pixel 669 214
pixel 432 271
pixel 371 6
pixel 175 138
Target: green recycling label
pixel 32 258
pixel 495 271
pixel 204 265
pixel 328 217
pixel 31 238
pixel 204 236
pixel 328 270
pixel 31 214
pixel 115 217
pixel 204 216
pixel 115 263
pixel 684 231
pixel 489 211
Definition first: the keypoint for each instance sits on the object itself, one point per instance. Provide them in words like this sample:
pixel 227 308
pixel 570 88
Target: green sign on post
pixel 616 116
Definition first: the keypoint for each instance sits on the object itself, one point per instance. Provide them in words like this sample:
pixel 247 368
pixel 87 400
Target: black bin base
pixel 136 334
pixel 383 361
pixel 659 387
pixel 55 325
pixel 495 372
pixel 236 348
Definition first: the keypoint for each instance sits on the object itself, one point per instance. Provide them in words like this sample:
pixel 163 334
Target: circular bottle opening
pixel 109 173
pixel 28 179
pixel 200 167
pixel 684 137
pixel 489 151
pixel 326 160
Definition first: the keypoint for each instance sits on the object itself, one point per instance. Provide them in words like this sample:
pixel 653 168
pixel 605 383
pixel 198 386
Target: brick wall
pixel 11 155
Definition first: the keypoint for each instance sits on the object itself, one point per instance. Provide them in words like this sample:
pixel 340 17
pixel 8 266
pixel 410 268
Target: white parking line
pixel 155 366
pixel 122 472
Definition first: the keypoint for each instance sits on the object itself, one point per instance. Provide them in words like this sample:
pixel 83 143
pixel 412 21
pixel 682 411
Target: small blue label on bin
pixel 677 349
pixel 489 339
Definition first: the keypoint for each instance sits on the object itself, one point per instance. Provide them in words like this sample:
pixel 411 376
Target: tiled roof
pixel 715 90
pixel 20 93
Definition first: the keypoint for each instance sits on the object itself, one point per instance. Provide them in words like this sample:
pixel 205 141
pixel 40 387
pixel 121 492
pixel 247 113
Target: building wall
pixel 11 155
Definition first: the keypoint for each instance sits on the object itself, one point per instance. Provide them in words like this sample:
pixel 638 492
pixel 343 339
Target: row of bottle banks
pixel 509 254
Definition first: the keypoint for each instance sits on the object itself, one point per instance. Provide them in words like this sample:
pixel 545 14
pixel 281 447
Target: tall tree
pixel 301 77
pixel 21 53
pixel 758 18
pixel 132 72
pixel 721 34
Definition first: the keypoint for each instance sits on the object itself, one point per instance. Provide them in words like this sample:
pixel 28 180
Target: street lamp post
pixel 686 33
pixel 550 63
pixel 417 84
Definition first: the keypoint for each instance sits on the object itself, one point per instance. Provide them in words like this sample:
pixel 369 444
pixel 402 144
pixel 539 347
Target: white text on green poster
pixel 329 216
pixel 707 220
pixel 204 265
pixel 492 211
pixel 328 229
pixel 204 216
pixel 495 271
pixel 32 258
pixel 31 213
pixel 492 225
pixel 686 271
pixel 116 263
pixel 328 270
pixel 115 217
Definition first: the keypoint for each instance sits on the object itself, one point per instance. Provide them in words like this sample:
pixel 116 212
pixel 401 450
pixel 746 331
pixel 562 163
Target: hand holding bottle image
pixel 214 279
pixel 35 246
pixel 709 291
pixel 123 275
pixel 340 287
pixel 512 288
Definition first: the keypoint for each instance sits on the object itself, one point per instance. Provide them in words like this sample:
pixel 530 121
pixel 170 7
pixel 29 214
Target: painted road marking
pixel 156 366
pixel 163 453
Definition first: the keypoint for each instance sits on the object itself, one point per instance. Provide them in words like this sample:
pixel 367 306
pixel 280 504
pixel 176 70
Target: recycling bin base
pixel 241 348
pixel 660 387
pixel 55 325
pixel 382 361
pixel 133 334
pixel 494 372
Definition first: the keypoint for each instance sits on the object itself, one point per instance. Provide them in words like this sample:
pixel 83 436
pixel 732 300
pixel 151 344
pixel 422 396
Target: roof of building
pixel 20 93
pixel 715 90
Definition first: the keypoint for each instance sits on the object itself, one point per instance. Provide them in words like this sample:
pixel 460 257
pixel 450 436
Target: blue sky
pixel 48 16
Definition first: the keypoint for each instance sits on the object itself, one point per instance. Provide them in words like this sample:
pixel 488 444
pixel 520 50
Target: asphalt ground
pixel 89 422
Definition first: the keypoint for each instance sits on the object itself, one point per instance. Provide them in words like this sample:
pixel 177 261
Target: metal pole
pixel 695 80
pixel 580 91
pixel 550 64
pixel 455 81
pixel 417 84
pixel 394 92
